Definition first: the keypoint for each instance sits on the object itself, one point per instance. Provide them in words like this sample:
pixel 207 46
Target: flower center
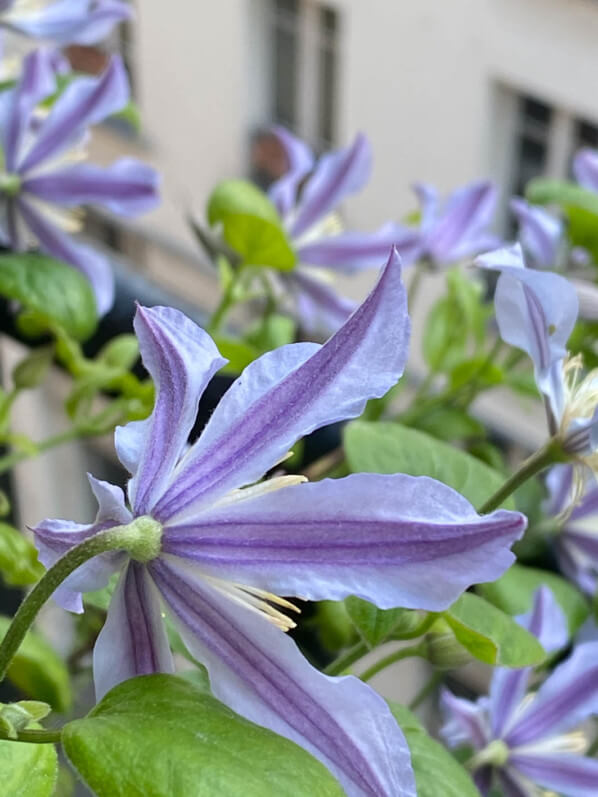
pixel 10 184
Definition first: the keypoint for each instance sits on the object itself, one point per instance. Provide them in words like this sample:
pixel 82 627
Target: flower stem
pixel 346 659
pixel 550 454
pixel 41 736
pixel 118 537
pixel 398 655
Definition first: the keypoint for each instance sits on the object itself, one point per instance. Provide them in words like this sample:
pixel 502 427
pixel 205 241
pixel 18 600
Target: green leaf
pixel 28 770
pixel 375 625
pixel 121 352
pixel 514 593
pixel 437 773
pixel 54 291
pixel 392 448
pixel 159 735
pixel 32 370
pixel 250 225
pixel 543 191
pixel 18 558
pixel 491 635
pixel 450 423
pixel 38 671
pixel 485 373
pixel 445 336
pixel 238 354
pixel 273 331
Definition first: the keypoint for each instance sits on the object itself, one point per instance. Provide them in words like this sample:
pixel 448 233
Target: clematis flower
pixel 530 742
pixel 536 311
pixel 40 180
pixel 64 21
pixel 576 544
pixel 307 198
pixel 540 233
pixel 229 549
pixel 585 168
pixel 457 227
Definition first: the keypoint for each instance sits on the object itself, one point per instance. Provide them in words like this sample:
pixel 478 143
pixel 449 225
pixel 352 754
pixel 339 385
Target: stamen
pixel 267 486
pixel 256 600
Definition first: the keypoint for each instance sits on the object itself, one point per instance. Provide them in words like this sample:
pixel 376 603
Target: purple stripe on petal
pixel 300 160
pixel 565 700
pixel 559 482
pixel 181 359
pixel 336 176
pixel 540 232
pixel 320 310
pixel 259 672
pixel 573 775
pixel 351 252
pixel 514 785
pixel 588 542
pixel 394 540
pixel 427 196
pixel 465 722
pixel 37 82
pixel 56 243
pixel 268 408
pixel 467 211
pixel 127 187
pixel 133 640
pixel 86 101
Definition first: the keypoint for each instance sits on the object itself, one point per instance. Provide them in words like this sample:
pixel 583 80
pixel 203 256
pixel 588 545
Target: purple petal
pixel 559 482
pixel 393 540
pixel 536 310
pixel 320 310
pixel 351 252
pixel 86 101
pixel 514 785
pixel 259 672
pixel 585 168
pixel 127 187
pixel 465 722
pixel 91 263
pixel 336 175
pixel 287 393
pixel 547 622
pixel 37 82
pixel 300 161
pixel 181 359
pixel 427 196
pixel 540 232
pixel 72 21
pixel 457 232
pixel 565 700
pixel 573 775
pixel 133 640
pixel 111 501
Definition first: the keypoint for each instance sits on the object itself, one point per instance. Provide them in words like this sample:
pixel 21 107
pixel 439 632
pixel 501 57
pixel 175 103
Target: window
pixel 531 141
pixel 304 69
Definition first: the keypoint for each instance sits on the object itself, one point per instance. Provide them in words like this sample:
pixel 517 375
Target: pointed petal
pixel 465 722
pixel 548 624
pixel 71 21
pixel 514 784
pixel 86 101
pixel 111 501
pixel 573 775
pixel 133 640
pixel 259 672
pixel 539 231
pixel 427 196
pixel 181 359
pixel 536 310
pixel 585 168
pixel 37 82
pixel 559 482
pixel 300 161
pixel 336 176
pixel 564 700
pixel 127 187
pixel 351 252
pixel 320 310
pixel 468 211
pixel 286 394
pixel 393 540
pixel 91 263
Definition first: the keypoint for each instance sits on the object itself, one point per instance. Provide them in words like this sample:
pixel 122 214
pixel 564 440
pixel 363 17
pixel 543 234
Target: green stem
pixel 119 537
pixel 10 460
pixel 551 453
pixel 420 629
pixel 345 660
pixel 36 736
pixel 398 655
pixel 414 287
pixel 426 690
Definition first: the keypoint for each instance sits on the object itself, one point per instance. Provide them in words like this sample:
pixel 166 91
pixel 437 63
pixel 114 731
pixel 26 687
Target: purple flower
pixel 228 550
pixel 64 21
pixel 585 168
pixel 576 544
pixel 526 741
pixel 307 198
pixel 541 233
pixel 457 227
pixel 40 178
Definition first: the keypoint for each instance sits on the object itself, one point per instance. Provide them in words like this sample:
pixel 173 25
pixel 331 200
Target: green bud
pixel 10 184
pixel 141 538
pixel 121 352
pixel 15 717
pixel 444 652
pixel 32 370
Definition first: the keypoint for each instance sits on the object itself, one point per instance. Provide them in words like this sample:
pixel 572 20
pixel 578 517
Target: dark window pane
pixel 286 6
pixel 327 76
pixel 536 110
pixel 328 20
